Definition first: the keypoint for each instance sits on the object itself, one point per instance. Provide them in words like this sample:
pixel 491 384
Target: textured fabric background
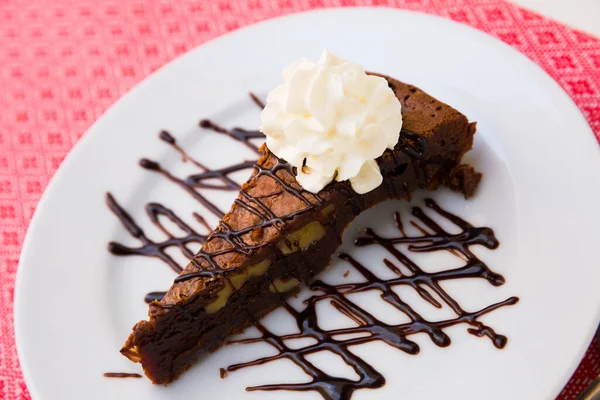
pixel 62 63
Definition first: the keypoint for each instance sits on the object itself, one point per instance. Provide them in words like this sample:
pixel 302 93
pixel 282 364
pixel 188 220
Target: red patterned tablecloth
pixel 62 63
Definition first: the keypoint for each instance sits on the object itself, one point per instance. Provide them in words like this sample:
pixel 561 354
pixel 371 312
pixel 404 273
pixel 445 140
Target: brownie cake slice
pixel 277 236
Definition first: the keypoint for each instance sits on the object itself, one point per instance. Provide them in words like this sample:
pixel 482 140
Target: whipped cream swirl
pixel 331 120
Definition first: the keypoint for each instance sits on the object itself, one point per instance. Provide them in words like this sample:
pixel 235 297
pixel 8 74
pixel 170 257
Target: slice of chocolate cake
pixel 277 236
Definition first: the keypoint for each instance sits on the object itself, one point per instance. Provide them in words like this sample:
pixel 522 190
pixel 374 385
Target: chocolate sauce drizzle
pixel 149 247
pixel 193 184
pixel 257 207
pixel 239 134
pixel 433 238
pixel 411 144
pixel 150 297
pixel 121 375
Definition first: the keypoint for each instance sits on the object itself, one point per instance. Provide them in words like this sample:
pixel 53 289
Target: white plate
pixel 75 303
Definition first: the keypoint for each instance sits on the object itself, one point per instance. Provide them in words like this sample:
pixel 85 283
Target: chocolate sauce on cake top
pixel 409 143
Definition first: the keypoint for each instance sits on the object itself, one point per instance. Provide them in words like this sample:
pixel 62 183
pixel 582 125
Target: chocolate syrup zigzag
pixel 276 235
